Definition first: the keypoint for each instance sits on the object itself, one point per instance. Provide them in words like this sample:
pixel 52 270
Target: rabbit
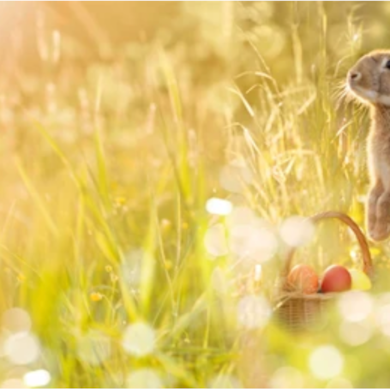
pixel 369 82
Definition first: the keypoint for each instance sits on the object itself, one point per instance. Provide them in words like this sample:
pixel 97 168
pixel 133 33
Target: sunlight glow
pixel 13 383
pixel 355 306
pixel 37 378
pixel 286 378
pixel 326 361
pixel 139 339
pixel 382 314
pixel 235 176
pixel 296 231
pixel 355 37
pixel 383 320
pixel 249 236
pixel 144 379
pixel 253 311
pixel 171 175
pixel 355 333
pixel 22 348
pixel 16 320
pixel 218 206
pixel 354 254
pixel 215 240
pixel 241 215
pixel 253 242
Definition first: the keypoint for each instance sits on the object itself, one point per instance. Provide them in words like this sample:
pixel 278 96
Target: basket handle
pixel 367 261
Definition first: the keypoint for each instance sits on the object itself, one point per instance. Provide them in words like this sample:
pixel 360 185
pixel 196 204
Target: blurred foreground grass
pixel 114 273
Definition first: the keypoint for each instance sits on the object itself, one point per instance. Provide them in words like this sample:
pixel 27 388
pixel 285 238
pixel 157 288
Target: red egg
pixel 336 279
pixel 303 278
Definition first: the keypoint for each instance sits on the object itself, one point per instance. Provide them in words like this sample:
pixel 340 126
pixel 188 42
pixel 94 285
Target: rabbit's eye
pixel 387 65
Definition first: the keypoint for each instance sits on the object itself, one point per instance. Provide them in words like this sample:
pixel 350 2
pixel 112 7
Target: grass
pixel 106 174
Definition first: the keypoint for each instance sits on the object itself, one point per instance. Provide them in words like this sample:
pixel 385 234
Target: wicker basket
pixel 301 311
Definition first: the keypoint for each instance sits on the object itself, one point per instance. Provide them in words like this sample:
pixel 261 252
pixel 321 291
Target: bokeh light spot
pixel 296 231
pixel 22 348
pixel 139 339
pixel 355 306
pixel 382 314
pixel 144 379
pixel 218 206
pixel 250 237
pixel 16 320
pixel 253 311
pixel 235 176
pixel 355 333
pixel 13 383
pixel 241 215
pixel 215 240
pixel 258 272
pixel 286 378
pixel 326 362
pixel 37 378
pixel 253 242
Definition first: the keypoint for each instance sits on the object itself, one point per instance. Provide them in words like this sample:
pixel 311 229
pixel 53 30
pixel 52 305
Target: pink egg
pixel 336 279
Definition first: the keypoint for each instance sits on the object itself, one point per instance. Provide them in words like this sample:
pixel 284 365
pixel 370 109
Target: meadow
pixel 155 159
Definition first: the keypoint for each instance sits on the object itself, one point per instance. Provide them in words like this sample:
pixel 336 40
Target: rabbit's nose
pixel 355 76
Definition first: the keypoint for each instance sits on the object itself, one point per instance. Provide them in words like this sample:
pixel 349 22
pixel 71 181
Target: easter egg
pixel 360 281
pixel 336 279
pixel 303 278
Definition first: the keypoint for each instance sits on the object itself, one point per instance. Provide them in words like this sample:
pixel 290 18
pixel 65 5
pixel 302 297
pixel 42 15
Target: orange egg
pixel 303 278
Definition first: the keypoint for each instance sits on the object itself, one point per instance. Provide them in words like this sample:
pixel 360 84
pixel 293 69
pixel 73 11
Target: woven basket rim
pixel 299 295
pixel 287 296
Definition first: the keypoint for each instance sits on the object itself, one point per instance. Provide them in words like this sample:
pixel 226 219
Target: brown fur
pixel 369 81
